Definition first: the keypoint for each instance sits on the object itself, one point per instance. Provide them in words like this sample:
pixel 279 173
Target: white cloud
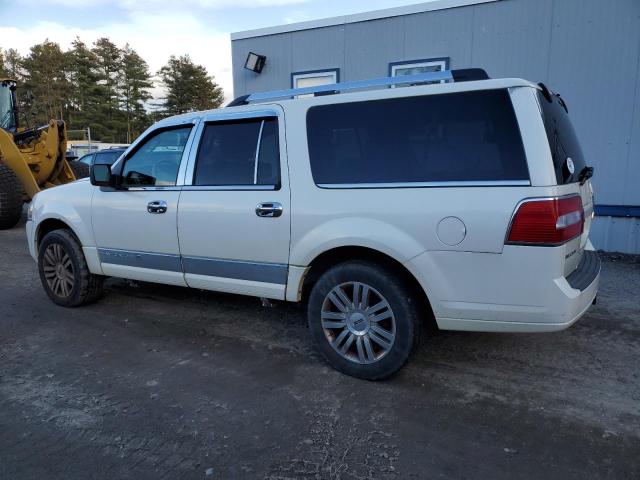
pixel 154 36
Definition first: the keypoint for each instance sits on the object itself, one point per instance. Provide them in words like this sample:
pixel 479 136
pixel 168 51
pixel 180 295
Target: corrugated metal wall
pixel 588 50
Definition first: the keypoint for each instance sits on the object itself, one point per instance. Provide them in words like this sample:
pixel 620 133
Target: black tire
pixel 389 287
pixel 80 170
pixel 11 198
pixel 83 286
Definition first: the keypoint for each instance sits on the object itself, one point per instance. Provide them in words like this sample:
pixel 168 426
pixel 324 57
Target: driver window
pixel 156 162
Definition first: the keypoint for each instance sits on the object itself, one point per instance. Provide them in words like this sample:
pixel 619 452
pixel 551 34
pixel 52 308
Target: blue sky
pixel 159 28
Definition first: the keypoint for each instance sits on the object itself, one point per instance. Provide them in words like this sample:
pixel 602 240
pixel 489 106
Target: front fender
pixel 70 204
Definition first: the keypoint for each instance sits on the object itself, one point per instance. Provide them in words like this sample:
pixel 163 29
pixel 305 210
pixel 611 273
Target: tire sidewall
pixel 11 198
pixel 399 299
pixel 56 237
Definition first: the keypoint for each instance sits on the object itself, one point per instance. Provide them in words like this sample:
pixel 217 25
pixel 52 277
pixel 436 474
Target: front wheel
pixel 363 320
pixel 64 272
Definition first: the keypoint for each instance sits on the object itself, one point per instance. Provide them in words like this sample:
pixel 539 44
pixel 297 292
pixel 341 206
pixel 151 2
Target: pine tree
pixel 109 65
pixel 45 82
pixel 86 93
pixel 133 89
pixel 10 64
pixel 189 87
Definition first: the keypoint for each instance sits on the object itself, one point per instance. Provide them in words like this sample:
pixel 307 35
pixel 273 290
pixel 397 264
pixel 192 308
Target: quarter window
pixel 239 153
pixel 469 136
pixel 563 140
pixel 157 160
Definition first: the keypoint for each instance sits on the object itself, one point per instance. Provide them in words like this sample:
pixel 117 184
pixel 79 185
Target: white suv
pixel 458 200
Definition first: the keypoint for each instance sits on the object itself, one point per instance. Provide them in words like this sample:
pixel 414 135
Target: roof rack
pixel 462 75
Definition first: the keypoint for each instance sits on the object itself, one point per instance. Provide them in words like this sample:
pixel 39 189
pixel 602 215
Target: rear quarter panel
pixel 403 222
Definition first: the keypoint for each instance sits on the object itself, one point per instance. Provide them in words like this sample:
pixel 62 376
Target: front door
pixel 234 215
pixel 135 226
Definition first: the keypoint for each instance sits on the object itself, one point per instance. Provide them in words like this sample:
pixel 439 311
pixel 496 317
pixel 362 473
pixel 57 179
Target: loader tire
pixel 80 170
pixel 11 199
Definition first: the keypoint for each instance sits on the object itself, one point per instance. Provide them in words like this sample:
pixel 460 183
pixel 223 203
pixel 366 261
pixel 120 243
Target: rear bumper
pixel 508 292
pixel 574 309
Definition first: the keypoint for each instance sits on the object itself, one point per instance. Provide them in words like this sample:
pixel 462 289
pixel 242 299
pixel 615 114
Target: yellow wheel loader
pixel 30 159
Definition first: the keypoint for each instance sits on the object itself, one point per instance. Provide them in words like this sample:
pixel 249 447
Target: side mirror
pixel 101 175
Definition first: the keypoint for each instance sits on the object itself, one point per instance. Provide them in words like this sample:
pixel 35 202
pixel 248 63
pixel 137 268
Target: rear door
pixel 234 212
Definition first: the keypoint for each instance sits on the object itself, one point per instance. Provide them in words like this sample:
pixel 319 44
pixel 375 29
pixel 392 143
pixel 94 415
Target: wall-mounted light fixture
pixel 255 62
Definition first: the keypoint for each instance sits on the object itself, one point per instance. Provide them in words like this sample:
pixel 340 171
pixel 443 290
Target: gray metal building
pixel 588 50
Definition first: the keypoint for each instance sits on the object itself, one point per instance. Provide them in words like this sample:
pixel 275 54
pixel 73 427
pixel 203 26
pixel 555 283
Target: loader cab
pixel 8 105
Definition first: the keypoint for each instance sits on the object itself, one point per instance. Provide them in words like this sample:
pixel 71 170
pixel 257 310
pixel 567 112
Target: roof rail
pixel 463 75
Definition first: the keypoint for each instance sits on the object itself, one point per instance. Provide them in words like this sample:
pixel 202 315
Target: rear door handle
pixel 157 206
pixel 269 209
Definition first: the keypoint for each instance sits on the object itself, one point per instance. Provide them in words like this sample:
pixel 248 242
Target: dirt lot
pixel 158 382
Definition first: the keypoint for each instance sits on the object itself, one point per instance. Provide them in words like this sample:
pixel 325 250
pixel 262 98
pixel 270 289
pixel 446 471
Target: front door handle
pixel 157 206
pixel 269 209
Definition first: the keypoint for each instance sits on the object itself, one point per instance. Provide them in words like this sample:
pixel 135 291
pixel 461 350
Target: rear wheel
pixel 64 272
pixel 80 170
pixel 11 198
pixel 363 320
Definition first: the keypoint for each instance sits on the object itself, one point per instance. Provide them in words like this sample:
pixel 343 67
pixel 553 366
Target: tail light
pixel 547 221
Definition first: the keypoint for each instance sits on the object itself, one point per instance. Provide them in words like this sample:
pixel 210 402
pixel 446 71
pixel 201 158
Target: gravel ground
pixel 158 382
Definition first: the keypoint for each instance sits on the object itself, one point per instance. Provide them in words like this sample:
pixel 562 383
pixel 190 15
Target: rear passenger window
pixel 470 136
pixel 239 153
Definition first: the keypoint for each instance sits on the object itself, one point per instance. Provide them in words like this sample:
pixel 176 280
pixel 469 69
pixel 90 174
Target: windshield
pixel 7 117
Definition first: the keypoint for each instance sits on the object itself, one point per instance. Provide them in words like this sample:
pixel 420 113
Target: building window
pixel 314 78
pixel 415 67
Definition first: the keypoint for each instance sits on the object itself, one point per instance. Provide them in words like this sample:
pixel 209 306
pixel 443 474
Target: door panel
pixel 227 243
pixel 226 246
pixel 135 226
pixel 131 240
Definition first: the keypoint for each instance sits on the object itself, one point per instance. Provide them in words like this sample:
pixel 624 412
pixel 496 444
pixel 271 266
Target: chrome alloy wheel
pixel 358 322
pixel 58 270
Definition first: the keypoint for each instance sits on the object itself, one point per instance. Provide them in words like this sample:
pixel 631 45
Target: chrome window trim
pixel 227 116
pixel 180 180
pixel 168 188
pixel 201 188
pixel 255 161
pixel 448 184
pixel 193 154
pixel 214 188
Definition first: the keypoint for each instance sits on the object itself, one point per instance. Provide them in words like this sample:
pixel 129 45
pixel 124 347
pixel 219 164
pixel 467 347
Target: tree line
pixel 104 87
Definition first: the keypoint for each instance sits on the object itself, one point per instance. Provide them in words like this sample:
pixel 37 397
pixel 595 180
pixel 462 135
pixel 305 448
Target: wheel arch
pixel 334 256
pixel 49 225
